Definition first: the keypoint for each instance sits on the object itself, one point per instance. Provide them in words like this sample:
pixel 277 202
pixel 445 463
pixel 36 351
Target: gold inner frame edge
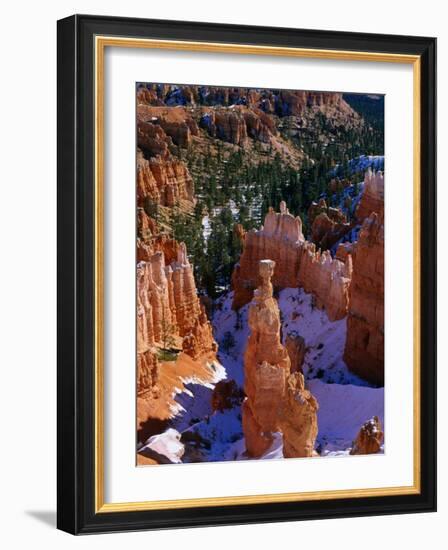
pixel 101 42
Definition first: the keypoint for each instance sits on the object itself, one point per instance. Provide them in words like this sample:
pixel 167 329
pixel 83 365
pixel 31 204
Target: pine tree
pixel 167 332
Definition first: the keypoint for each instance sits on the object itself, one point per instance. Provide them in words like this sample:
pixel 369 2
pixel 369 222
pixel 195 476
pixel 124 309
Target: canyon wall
pixel 364 349
pixel 280 103
pixel 176 122
pixel 298 263
pixel 235 114
pixel 168 312
pixel 161 177
pixel 279 239
pixel 235 125
pixel 166 295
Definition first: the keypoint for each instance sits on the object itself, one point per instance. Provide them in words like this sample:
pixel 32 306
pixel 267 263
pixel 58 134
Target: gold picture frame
pixel 96 40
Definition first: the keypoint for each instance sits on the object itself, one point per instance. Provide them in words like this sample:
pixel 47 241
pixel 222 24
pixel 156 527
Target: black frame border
pixel 76 262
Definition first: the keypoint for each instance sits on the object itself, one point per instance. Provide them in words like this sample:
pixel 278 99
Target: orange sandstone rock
pixel 161 177
pixel 295 344
pixel 343 251
pixel 369 439
pixel 279 240
pixel 147 371
pixel 298 264
pixel 364 348
pixel 372 198
pixel 176 122
pixel 266 367
pixel 327 278
pixel 167 301
pixel 298 419
pixel 164 181
pixel 328 225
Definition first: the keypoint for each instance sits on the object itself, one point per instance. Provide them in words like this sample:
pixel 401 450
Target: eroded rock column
pixel 266 367
pixel 298 419
pixel 364 348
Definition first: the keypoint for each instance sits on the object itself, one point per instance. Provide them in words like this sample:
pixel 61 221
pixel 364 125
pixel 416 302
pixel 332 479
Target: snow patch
pixel 167 444
pixel 343 409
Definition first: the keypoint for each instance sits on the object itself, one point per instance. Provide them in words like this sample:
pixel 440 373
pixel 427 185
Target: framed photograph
pixel 246 274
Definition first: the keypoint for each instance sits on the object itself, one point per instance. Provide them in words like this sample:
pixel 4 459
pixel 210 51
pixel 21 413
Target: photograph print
pixel 259 274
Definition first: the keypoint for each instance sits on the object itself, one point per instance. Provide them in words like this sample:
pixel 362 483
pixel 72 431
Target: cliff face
pixel 327 278
pixel 266 367
pixel 298 419
pixel 168 311
pixel 167 296
pixel 298 264
pixel 162 178
pixel 281 103
pixel 279 239
pixel 150 241
pixel 364 349
pixel 163 181
pixel 235 125
pixel 147 371
pixel 234 115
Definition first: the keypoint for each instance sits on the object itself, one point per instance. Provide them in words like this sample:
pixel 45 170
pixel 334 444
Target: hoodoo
pixel 372 199
pixel 266 367
pixel 369 439
pixel 364 348
pixel 276 400
pixel 298 419
pixel 167 301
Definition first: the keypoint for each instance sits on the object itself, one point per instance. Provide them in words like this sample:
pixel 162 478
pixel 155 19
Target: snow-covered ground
pixel 166 444
pixel 345 400
pixel 193 400
pixel 325 340
pixel 343 409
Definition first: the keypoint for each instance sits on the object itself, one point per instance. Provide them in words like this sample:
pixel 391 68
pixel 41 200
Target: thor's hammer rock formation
pixel 266 366
pixel 268 381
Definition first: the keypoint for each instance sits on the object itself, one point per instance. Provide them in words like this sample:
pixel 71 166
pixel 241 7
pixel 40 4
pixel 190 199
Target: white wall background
pixel 28 271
